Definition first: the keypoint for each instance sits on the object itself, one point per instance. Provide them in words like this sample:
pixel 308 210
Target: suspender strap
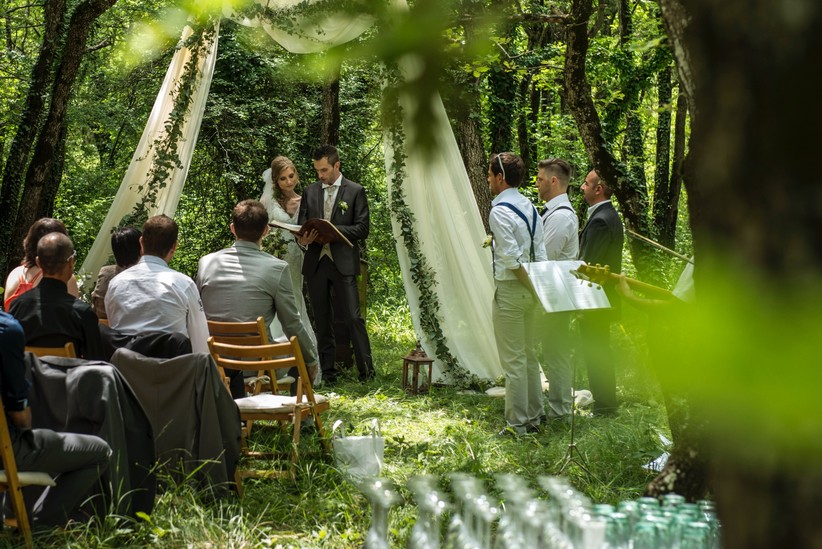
pixel 563 207
pixel 532 228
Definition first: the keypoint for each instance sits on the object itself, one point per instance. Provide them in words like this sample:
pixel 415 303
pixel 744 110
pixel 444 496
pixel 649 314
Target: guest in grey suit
pixel 241 283
pixel 343 203
pixel 601 243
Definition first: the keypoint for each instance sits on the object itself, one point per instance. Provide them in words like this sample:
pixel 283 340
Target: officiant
pixel 342 202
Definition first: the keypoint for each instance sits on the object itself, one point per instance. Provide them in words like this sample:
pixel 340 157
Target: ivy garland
pixel 166 158
pixel 422 274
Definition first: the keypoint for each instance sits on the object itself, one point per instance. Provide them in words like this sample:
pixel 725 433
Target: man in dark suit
pixel 601 243
pixel 336 265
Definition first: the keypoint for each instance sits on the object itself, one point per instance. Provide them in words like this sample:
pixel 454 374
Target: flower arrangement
pixel 488 240
pixel 343 205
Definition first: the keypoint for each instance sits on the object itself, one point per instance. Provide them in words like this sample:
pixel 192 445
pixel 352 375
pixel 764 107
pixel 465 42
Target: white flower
pixel 343 205
pixel 488 240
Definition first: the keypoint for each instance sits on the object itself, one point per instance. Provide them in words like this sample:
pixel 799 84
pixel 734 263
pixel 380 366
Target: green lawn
pixel 438 433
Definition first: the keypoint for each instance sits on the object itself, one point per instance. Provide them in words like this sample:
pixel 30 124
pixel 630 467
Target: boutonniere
pixel 488 240
pixel 343 205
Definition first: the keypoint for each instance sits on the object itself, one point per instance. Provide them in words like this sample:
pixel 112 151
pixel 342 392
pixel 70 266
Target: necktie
pixel 328 205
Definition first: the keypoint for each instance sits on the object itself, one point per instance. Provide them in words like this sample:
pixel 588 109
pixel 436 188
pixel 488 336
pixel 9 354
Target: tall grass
pixel 444 431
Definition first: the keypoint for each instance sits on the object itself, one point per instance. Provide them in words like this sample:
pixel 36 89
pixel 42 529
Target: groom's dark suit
pixel 340 272
pixel 601 242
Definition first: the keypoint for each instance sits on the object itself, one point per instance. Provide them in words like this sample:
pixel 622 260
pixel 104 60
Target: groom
pixel 343 203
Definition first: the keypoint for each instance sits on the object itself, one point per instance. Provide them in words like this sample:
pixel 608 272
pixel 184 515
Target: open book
pixel 559 290
pixel 327 232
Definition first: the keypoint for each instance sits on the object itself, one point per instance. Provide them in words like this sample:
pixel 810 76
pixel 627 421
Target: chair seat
pixel 30 478
pixel 273 404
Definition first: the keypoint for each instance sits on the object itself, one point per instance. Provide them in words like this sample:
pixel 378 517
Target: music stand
pixel 572 454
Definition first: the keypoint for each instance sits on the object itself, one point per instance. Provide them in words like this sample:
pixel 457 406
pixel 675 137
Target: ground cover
pixel 437 433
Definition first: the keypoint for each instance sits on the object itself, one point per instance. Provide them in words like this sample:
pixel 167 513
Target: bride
pixel 283 204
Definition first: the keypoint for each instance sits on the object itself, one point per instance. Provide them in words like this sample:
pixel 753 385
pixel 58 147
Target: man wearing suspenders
pixel 561 230
pixel 516 311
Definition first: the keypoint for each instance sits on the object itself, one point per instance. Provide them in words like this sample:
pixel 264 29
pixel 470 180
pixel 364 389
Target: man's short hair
pixel 125 244
pixel 159 235
pixel 327 151
pixel 250 219
pixel 38 230
pixel 510 166
pixel 53 251
pixel 607 191
pixel 559 168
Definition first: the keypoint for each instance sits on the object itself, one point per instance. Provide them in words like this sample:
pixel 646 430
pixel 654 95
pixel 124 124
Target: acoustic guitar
pixel 598 274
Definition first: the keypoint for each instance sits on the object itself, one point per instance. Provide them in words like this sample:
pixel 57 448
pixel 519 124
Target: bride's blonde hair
pixel 278 166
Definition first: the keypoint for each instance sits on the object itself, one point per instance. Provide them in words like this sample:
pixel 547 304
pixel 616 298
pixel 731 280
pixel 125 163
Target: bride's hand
pixel 309 237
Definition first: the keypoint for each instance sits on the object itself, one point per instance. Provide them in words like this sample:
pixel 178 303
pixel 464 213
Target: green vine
pixel 422 274
pixel 166 158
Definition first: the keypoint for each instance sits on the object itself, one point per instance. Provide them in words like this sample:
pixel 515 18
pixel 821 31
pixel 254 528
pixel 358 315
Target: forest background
pixel 591 82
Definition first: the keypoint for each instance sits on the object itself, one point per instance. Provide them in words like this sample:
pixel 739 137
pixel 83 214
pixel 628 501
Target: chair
pixel 249 333
pixel 274 407
pixel 12 481
pixel 103 321
pixel 66 350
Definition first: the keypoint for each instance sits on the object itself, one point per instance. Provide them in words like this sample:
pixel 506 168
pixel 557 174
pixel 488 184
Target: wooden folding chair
pixel 66 350
pixel 103 322
pixel 12 482
pixel 289 409
pixel 249 333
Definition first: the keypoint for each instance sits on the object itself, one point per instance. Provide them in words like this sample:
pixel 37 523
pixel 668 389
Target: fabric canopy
pixel 436 189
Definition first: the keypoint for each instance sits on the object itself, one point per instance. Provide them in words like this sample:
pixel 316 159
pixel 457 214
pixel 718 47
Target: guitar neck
pixel 644 287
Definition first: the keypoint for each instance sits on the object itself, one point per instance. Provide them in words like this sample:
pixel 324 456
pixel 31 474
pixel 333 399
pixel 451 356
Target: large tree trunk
pixel 633 202
pixel 756 220
pixel 330 123
pixel 54 12
pixel 664 199
pixel 47 147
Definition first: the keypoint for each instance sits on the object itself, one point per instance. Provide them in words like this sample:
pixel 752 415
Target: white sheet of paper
pixel 559 290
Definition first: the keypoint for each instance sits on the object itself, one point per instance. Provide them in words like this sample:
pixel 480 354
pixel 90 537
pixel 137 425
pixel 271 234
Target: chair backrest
pixel 273 356
pixel 239 333
pixel 66 350
pixel 11 482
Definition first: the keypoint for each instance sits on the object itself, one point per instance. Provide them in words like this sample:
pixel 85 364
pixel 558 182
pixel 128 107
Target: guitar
pixel 597 274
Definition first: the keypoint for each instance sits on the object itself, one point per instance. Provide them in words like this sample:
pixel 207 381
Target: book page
pixel 559 290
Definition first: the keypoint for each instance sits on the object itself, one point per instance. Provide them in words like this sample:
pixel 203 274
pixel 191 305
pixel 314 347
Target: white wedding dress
pixel 292 255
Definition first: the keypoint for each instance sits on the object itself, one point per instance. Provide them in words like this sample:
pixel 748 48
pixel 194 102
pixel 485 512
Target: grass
pixel 437 433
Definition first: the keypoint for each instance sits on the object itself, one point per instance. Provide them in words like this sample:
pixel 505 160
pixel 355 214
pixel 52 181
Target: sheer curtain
pixel 436 188
pixel 129 193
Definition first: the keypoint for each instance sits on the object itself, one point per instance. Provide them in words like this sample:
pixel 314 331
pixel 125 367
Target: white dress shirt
pixel 150 296
pixel 512 238
pixel 561 229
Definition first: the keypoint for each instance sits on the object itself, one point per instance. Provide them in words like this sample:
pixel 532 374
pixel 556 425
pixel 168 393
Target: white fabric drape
pixel 129 193
pixel 450 232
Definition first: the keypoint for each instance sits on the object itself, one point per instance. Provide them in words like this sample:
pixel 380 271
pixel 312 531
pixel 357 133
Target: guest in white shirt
pixel 516 314
pixel 561 231
pixel 150 296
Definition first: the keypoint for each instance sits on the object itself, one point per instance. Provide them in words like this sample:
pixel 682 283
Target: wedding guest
pixel 50 316
pixel 28 274
pixel 152 297
pixel 601 243
pixel 242 283
pixel 282 202
pixel 343 203
pixel 76 460
pixel 125 245
pixel 516 312
pixel 561 232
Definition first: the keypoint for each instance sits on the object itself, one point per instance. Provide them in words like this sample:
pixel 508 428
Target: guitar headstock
pixel 597 274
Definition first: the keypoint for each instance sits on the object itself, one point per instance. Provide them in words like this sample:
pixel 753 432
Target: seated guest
pixel 151 297
pixel 125 245
pixel 28 274
pixel 241 283
pixel 49 314
pixel 76 460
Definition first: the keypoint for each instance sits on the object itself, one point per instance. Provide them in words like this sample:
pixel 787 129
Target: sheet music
pixel 559 290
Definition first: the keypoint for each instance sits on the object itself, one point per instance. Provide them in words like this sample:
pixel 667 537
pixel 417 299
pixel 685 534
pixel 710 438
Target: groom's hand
pixel 309 237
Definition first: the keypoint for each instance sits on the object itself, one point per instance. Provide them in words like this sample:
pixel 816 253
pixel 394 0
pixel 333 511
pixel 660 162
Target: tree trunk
pixel 664 199
pixel 46 149
pixel 523 123
pixel 501 108
pixel 667 224
pixel 756 218
pixel 330 122
pixel 54 12
pixel 634 203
